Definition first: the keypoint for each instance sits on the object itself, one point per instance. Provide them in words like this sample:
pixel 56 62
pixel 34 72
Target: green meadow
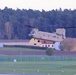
pixel 34 64
pixel 18 48
pixel 39 67
pixel 37 64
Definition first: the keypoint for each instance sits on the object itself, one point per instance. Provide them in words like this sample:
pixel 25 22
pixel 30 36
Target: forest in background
pixel 13 22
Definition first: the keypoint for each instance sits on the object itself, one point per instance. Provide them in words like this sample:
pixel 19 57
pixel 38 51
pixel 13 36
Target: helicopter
pixel 47 39
pixel 59 35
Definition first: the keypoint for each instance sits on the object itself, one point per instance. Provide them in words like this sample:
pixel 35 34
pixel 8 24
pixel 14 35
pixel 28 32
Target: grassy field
pixel 18 48
pixel 41 67
pixel 36 64
pixel 30 58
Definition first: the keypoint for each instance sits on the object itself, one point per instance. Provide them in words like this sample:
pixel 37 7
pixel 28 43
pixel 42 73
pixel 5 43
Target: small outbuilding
pixel 1 45
pixel 56 45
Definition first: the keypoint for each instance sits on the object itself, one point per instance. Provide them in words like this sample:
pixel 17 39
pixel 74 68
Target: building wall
pixel 48 45
pixel 14 42
pixel 56 45
pixel 35 42
pixel 41 43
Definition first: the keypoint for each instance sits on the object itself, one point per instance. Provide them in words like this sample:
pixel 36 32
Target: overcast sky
pixel 38 4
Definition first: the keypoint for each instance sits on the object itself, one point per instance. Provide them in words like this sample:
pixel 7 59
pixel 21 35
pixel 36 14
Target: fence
pixel 35 58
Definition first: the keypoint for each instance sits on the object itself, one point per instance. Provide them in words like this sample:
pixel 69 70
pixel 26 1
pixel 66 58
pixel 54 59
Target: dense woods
pixel 13 22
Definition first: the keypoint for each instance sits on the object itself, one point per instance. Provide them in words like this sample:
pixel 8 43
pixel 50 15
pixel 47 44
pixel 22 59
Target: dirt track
pixel 23 52
pixel 65 53
pixel 59 53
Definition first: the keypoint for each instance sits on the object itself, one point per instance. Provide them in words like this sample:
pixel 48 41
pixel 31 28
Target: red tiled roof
pixel 46 42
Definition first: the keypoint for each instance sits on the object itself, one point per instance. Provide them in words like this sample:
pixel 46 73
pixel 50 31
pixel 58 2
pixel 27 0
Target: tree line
pixel 13 22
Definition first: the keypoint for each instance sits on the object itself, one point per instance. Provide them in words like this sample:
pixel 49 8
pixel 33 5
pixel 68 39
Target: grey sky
pixel 38 4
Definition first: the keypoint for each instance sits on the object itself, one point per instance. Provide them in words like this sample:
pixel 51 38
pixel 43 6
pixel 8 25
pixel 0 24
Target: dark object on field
pixel 27 46
pixel 49 51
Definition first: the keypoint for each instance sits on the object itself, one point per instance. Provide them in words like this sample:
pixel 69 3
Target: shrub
pixel 49 51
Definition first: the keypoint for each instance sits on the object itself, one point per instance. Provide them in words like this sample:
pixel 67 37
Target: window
pixel 34 43
pixel 48 45
pixel 38 40
pixel 45 45
pixel 32 32
pixel 44 41
pixel 63 36
pixel 52 45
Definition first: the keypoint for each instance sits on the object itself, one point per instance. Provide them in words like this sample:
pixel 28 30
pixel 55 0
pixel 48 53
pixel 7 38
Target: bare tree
pixel 8 30
pixel 67 45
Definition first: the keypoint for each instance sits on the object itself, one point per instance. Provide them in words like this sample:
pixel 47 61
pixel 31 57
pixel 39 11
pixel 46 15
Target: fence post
pixel 21 55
